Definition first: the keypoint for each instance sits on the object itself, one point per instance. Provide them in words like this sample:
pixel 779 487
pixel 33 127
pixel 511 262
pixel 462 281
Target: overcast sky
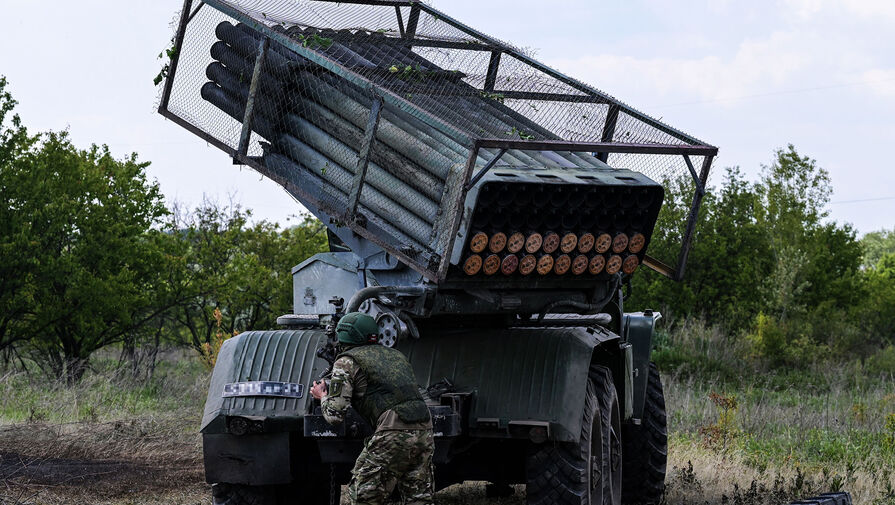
pixel 746 76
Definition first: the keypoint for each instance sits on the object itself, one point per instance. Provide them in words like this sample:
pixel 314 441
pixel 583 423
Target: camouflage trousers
pixel 394 459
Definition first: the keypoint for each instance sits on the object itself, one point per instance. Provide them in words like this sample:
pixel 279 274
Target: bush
pixel 883 362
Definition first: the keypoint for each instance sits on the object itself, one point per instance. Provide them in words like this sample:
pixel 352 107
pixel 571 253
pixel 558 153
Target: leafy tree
pixel 239 276
pixel 877 244
pixel 876 314
pixel 17 249
pixel 763 259
pixel 728 254
pixel 86 216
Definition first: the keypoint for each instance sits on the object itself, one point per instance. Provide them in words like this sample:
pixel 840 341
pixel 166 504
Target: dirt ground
pixel 151 461
pixel 146 461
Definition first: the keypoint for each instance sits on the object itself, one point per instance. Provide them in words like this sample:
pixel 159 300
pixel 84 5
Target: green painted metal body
pixel 519 374
pixel 286 356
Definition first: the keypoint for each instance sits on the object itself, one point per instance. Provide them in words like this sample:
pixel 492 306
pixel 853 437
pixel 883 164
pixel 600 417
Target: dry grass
pixel 112 440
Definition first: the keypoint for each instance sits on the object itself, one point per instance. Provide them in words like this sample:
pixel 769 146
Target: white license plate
pixel 264 388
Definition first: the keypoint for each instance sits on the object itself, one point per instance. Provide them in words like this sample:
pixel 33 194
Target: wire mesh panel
pixel 375 113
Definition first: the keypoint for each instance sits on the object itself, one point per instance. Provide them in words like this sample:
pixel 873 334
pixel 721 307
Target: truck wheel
pixel 587 472
pixel 645 448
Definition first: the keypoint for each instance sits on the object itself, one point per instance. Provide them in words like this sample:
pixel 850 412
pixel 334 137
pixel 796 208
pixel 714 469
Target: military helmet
pixel 357 328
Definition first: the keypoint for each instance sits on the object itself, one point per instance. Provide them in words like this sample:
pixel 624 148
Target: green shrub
pixel 883 362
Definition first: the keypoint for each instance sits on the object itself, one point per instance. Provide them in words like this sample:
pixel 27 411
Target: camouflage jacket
pixel 349 382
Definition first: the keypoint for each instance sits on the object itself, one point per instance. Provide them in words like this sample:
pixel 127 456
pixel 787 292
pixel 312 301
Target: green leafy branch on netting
pixel 408 72
pixel 498 97
pixel 315 41
pixel 522 134
pixel 170 53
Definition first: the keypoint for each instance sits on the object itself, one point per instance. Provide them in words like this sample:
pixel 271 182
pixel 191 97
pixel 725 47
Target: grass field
pixel 735 436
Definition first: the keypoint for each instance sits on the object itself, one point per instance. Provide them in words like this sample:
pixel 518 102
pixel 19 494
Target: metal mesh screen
pixel 370 110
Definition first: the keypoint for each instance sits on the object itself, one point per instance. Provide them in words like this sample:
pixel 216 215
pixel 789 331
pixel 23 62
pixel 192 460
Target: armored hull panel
pixel 384 117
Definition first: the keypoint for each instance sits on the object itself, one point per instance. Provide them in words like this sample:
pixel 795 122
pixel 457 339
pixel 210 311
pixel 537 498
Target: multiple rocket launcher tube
pixel 315 122
pixel 551 252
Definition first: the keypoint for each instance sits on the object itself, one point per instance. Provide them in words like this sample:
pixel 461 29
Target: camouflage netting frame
pixel 376 113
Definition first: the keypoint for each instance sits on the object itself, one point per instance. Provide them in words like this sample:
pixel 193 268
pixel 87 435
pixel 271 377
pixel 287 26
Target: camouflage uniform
pixel 399 454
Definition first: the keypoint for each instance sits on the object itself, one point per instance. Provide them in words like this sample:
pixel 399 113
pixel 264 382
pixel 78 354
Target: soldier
pixel 379 383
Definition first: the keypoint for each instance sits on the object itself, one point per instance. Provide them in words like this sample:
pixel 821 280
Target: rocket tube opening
pixel 492 264
pixel 533 242
pixel 515 242
pixel 579 264
pixel 478 242
pixel 527 264
pixel 596 265
pixel 545 264
pixel 562 264
pixel 509 264
pixel 472 265
pixel 568 243
pixel 586 243
pixel 636 243
pixel 551 242
pixel 619 243
pixel 498 242
pixel 613 264
pixel 603 243
pixel 630 264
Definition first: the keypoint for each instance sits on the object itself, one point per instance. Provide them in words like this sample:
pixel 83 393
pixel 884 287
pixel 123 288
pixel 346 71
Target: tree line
pixel 91 258
pixel 771 267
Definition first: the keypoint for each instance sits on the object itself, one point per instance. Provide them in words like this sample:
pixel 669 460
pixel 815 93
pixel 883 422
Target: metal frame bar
pixel 387 3
pixel 608 131
pixel 400 21
pixel 658 266
pixel 699 184
pixel 472 182
pixel 246 134
pixel 178 45
pixel 553 97
pixel 454 225
pixel 363 157
pixel 198 132
pixel 691 220
pixel 493 67
pixel 416 7
pixel 609 147
pixel 196 11
pixel 412 21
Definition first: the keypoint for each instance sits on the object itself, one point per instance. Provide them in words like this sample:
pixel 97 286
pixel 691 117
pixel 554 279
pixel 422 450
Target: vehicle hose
pixel 376 291
pixel 583 307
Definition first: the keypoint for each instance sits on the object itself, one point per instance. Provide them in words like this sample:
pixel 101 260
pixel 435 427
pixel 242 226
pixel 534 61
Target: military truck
pixel 486 209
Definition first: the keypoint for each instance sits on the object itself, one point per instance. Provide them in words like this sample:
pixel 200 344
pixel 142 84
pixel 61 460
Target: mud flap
pixel 257 460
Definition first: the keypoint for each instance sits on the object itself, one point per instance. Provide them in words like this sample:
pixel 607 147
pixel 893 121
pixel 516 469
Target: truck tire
pixel 573 473
pixel 645 448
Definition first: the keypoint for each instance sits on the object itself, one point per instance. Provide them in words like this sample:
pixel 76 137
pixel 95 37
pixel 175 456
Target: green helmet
pixel 357 328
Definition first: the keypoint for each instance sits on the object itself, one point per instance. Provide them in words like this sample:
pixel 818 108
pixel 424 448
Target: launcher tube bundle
pixel 391 121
